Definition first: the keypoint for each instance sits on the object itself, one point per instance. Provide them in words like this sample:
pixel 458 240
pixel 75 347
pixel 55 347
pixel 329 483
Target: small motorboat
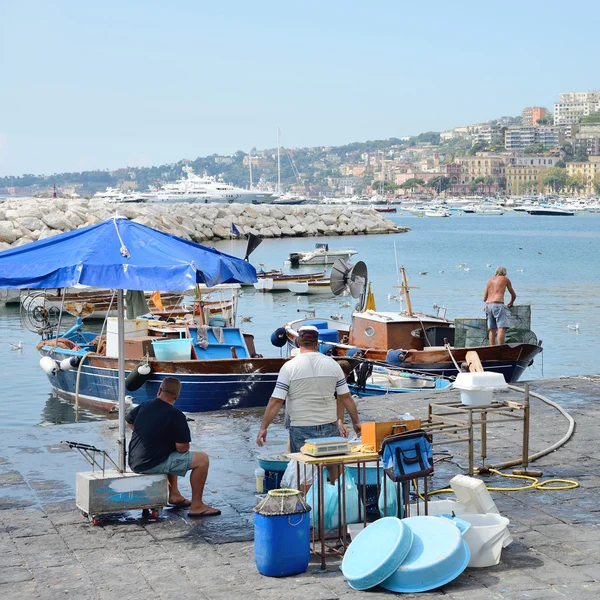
pixel 320 286
pixel 321 255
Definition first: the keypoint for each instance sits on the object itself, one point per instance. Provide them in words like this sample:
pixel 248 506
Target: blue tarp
pixel 119 254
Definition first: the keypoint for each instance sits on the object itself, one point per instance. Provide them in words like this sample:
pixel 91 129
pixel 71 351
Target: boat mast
pixel 278 165
pixel 250 164
pixel 405 287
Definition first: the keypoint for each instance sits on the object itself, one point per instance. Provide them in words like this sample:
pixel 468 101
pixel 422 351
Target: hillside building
pixel 589 170
pixel 531 115
pixel 572 106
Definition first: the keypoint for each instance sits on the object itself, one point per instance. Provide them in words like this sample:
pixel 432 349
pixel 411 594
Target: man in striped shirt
pixel 308 384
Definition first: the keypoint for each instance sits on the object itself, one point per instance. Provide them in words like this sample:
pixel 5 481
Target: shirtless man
pixel 494 305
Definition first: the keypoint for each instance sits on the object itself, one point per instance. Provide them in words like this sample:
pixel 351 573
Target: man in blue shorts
pixel 160 443
pixel 493 297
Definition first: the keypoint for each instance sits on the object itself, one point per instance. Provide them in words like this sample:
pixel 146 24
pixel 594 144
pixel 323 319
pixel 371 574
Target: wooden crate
pixel 137 348
pixel 374 432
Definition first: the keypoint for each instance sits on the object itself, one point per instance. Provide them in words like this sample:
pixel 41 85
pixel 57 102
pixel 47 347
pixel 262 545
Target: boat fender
pixel 279 337
pixel 354 351
pixel 138 377
pixel 70 363
pixel 49 366
pixel 395 357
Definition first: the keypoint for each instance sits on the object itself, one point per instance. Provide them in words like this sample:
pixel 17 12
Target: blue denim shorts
pixel 299 435
pixel 177 463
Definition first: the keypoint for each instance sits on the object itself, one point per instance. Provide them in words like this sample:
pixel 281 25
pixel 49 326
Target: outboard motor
pixel 295 259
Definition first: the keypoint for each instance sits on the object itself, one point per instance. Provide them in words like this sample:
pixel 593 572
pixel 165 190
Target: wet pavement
pixel 50 551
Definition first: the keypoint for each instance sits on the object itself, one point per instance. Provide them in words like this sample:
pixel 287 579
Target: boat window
pixel 369 331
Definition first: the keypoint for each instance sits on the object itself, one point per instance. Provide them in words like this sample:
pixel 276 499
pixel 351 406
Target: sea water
pixel 551 261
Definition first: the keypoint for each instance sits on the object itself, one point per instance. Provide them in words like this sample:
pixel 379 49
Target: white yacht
pixel 206 189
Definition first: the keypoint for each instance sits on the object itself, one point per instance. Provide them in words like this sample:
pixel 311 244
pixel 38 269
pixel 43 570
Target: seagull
pixel 337 317
pixel 539 252
pixel 519 270
pixel 245 319
pixel 345 304
pixel 422 272
pixel 18 346
pixel 442 271
pixel 489 264
pixel 392 297
pixel 573 327
pixel 467 269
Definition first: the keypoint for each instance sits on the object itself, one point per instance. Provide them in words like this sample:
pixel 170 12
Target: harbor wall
pixel 24 220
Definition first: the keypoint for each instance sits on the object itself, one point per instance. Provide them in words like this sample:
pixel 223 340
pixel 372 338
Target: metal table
pixel 337 543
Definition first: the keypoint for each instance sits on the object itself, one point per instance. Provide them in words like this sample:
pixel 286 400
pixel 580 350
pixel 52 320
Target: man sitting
pixel 160 443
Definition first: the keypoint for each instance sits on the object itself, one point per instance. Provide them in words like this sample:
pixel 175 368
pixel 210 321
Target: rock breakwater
pixel 25 220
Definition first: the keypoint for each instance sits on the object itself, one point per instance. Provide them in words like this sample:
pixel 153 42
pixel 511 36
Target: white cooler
pixel 477 389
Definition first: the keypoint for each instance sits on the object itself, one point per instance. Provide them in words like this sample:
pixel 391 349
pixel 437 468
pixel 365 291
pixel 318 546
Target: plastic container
pixel 369 473
pixel 172 349
pixel 318 323
pixel 474 496
pixel 259 475
pixel 281 544
pixel 435 508
pixel 273 479
pixel 438 556
pixel 485 538
pixel 376 553
pixel 329 335
pixel 477 389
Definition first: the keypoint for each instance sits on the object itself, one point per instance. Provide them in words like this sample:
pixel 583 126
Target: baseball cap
pixel 308 332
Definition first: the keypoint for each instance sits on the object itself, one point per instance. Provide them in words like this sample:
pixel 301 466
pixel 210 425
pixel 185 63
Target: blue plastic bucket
pixel 282 544
pixel 329 335
pixel 172 349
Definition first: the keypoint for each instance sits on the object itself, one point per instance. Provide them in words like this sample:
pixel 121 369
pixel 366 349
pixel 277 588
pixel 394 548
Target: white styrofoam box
pixel 438 507
pixel 477 389
pixel 133 328
pixel 475 497
pixel 114 491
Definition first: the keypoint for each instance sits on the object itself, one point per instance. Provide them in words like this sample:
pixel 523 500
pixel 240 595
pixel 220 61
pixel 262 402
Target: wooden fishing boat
pixel 411 341
pixel 320 287
pixel 222 374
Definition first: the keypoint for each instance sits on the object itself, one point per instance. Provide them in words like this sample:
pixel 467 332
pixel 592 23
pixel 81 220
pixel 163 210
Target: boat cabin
pixel 390 330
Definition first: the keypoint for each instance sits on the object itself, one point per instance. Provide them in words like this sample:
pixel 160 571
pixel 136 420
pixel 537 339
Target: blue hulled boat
pixel 224 374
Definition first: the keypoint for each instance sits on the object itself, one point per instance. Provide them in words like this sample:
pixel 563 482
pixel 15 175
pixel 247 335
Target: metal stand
pixel 455 422
pixel 90 452
pixel 327 542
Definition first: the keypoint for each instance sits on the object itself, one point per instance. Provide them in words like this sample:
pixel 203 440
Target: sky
pixel 103 85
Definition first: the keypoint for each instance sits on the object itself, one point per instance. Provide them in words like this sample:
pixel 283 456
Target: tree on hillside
pixel 477 147
pixel 581 154
pixel 534 149
pixel 596 183
pixel 555 178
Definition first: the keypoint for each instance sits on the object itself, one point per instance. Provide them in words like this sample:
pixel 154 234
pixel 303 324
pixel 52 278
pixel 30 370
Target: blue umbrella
pixel 122 255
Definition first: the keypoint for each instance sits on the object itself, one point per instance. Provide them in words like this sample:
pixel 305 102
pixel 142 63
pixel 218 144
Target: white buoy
pixel 49 365
pixel 70 363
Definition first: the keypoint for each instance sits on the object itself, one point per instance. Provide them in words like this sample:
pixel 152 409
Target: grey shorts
pixel 177 463
pixel 496 316
pixel 299 435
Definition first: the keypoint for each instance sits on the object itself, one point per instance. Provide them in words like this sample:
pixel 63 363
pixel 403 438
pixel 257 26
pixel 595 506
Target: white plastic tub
pixel 477 389
pixel 484 538
pixel 435 508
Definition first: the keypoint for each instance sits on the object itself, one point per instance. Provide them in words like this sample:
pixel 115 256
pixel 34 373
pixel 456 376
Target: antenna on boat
pixel 397 275
pixel 278 165
pixel 406 287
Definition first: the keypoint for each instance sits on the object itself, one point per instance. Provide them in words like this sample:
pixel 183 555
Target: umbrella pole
pixel 121 365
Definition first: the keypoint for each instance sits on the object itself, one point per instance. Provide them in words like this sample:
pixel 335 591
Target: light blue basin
pixel 376 553
pixel 438 555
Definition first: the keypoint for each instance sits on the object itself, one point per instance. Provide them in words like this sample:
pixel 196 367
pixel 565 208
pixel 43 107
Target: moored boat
pixel 321 255
pixel 319 286
pixel 278 282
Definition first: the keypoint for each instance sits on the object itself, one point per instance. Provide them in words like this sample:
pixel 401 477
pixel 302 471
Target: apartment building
pixel 533 161
pixel 521 178
pixel 488 134
pixel 589 170
pixel 483 164
pixel 517 138
pixel 574 105
pixel 531 115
